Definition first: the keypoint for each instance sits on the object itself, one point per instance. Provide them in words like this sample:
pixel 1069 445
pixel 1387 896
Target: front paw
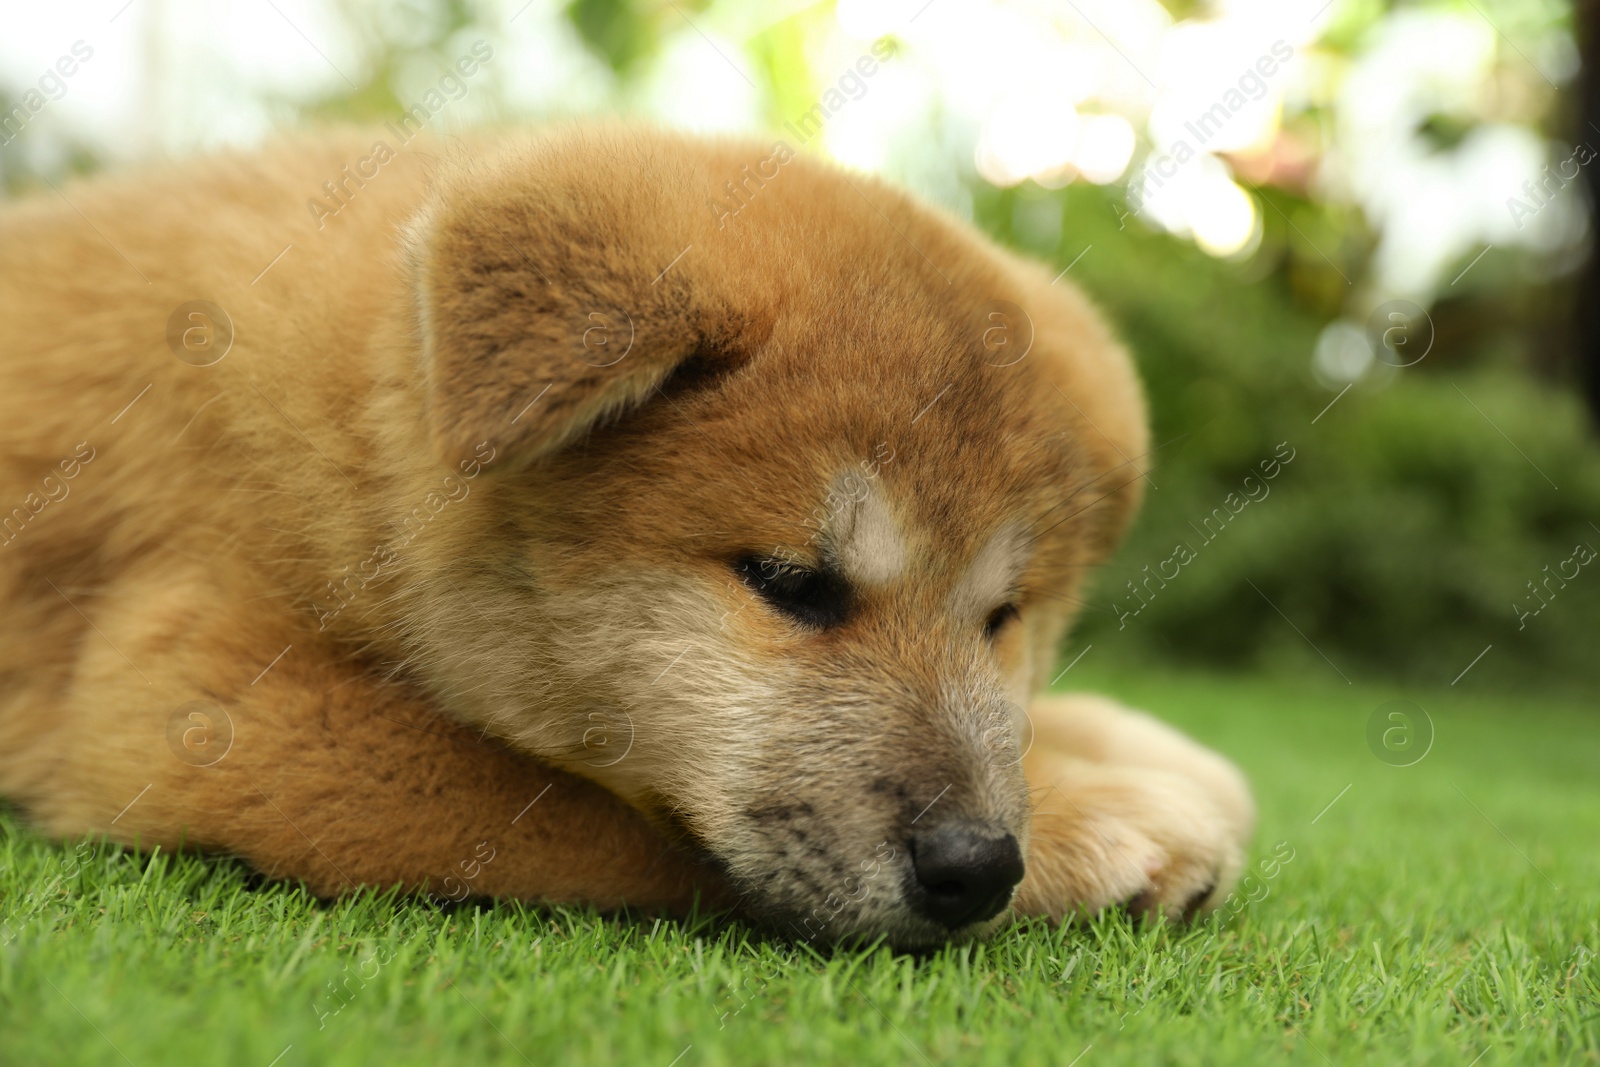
pixel 1149 839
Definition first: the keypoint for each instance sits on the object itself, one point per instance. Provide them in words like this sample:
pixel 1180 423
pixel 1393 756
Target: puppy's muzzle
pixel 963 872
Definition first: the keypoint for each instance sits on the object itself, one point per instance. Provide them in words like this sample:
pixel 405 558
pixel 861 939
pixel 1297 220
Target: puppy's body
pixel 735 525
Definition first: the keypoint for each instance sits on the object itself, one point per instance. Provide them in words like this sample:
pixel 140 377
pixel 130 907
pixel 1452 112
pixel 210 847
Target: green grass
pixel 1435 914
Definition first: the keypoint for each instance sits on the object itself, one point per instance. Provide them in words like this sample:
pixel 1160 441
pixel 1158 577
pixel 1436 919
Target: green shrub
pixel 1404 530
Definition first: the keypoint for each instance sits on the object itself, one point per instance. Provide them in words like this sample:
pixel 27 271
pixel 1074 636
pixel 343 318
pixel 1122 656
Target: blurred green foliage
pixel 1402 538
pixel 615 30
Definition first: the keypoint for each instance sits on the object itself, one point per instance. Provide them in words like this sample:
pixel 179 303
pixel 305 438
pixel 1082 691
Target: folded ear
pixel 560 285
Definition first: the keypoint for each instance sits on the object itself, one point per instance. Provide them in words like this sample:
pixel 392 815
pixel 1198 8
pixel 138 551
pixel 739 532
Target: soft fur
pixel 448 538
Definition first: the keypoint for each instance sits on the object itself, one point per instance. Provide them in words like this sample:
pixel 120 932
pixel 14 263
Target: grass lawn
pixel 1445 912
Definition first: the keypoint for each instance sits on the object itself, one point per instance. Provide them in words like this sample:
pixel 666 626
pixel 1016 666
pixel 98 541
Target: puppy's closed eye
pixel 816 598
pixel 998 618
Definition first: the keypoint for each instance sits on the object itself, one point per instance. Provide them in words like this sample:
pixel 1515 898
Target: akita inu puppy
pixel 516 518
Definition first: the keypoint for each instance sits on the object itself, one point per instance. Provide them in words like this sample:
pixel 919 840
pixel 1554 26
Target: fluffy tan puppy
pixel 604 516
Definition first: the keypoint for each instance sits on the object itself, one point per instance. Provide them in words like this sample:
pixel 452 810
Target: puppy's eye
pixel 812 597
pixel 998 619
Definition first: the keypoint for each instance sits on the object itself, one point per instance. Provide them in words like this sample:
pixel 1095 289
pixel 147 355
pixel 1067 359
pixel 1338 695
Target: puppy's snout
pixel 964 872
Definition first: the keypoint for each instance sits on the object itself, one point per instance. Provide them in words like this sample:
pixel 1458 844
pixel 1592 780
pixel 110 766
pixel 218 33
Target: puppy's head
pixel 795 485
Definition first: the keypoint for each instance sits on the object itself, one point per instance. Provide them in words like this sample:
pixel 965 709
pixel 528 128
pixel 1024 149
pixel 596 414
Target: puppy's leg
pixel 1128 809
pixel 330 776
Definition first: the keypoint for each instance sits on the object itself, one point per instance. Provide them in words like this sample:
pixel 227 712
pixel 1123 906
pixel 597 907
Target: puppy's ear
pixel 555 289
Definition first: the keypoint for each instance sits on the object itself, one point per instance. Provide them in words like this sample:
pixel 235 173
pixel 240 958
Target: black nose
pixel 965 872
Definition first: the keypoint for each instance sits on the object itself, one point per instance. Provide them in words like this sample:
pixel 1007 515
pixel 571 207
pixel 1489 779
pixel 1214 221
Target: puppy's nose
pixel 965 872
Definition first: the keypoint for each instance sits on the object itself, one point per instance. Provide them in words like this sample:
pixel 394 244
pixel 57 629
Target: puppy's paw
pixel 1152 840
pixel 1101 731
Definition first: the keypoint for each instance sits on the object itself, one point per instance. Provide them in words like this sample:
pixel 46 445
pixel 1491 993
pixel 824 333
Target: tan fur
pixel 454 520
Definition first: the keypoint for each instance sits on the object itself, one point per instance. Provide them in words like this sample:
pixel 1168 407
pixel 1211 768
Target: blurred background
pixel 1350 231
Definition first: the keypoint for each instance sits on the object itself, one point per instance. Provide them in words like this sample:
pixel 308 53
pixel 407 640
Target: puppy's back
pixel 115 453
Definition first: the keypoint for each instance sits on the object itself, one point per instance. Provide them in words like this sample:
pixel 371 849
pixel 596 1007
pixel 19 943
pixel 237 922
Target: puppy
pixel 607 516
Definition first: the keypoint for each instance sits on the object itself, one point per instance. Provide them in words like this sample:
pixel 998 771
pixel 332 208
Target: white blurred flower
pixel 1343 354
pixel 1222 216
pixel 1434 205
pixel 869 133
pixel 1198 199
pixel 1105 145
pixel 701 82
pixel 1028 134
